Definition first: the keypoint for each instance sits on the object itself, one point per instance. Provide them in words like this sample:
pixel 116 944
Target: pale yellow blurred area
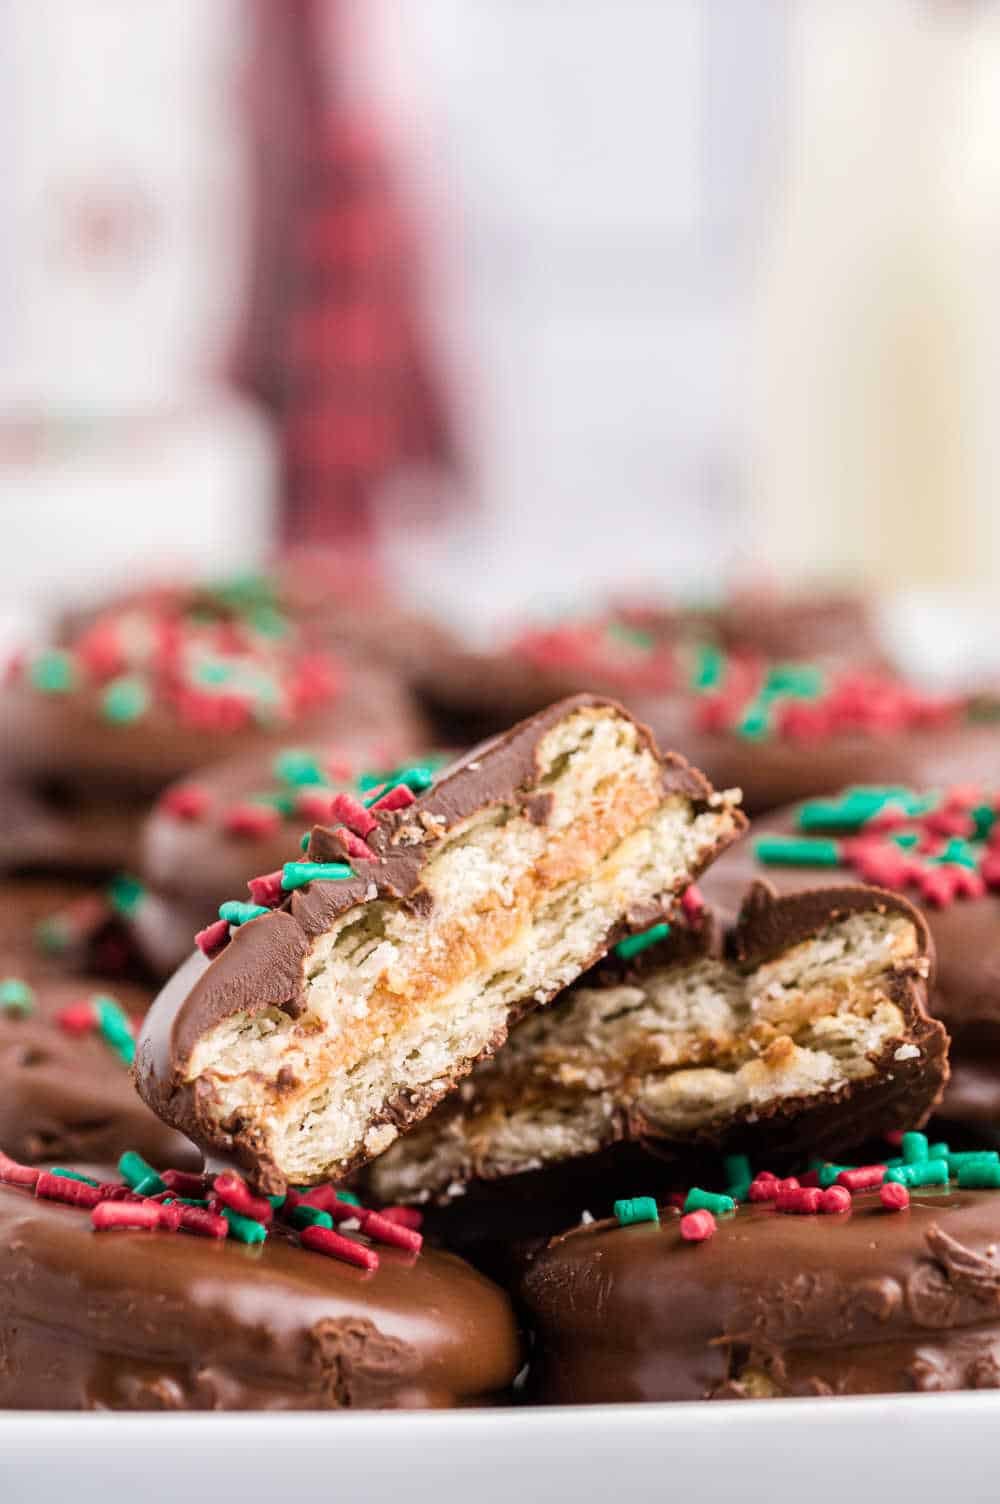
pixel 879 319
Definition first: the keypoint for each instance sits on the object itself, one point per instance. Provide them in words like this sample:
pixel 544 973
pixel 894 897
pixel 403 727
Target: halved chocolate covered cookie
pixel 809 1028
pixel 415 935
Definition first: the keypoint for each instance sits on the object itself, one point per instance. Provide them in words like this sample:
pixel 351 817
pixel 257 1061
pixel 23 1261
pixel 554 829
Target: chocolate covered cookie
pixel 416 933
pixel 937 847
pixel 66 1050
pixel 805 1290
pixel 809 1028
pixel 143 694
pixel 114 1300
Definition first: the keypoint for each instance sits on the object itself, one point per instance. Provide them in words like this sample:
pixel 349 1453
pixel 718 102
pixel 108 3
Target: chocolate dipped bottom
pixel 137 1320
pixel 865 1302
pixel 948 871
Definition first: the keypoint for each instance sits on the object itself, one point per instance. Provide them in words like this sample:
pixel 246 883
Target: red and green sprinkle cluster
pixel 945 844
pixel 352 820
pixel 223 1206
pixel 825 1188
pixel 745 696
pixel 215 671
pixel 98 1014
pixel 607 650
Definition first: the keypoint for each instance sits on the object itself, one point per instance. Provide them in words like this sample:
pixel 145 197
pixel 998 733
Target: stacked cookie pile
pixel 523 1043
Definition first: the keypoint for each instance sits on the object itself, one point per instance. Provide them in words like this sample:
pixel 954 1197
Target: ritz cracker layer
pixel 416 934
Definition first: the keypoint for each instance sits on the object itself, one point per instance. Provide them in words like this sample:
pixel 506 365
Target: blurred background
pixel 519 304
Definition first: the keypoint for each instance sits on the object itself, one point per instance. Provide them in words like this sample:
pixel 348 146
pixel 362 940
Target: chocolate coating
pixel 864 1302
pixel 966 935
pixel 69 1096
pixel 129 1320
pixel 190 865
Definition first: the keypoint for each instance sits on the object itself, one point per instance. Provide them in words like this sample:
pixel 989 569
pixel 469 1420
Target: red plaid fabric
pixel 332 342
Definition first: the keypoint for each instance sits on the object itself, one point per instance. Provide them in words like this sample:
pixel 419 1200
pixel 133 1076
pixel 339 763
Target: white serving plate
pixel 915 1449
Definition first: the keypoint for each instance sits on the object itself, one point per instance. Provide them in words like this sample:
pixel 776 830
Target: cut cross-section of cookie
pixel 326 1028
pixel 810 1031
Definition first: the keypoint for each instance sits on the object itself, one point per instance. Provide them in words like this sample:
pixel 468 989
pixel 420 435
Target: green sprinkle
pixel 756 724
pixel 985 818
pixel 635 943
pixel 213 672
pixel 311 1216
pixel 915 1149
pixel 16 996
pixel 789 851
pixel 268 621
pixel 190 1200
pixel 853 810
pixel 800 680
pixel 297 874
pixel 905 839
pixel 635 636
pixel 298 768
pixel 828 1174
pixel 72 1175
pixel 114 1027
pixel 418 779
pixel 52 935
pixel 234 912
pixel 349 1197
pixel 125 893
pixel 244 1229
pixel 709 668
pixel 957 853
pixel 276 1201
pixel 125 700
pixel 739 1191
pixel 136 1173
pixel 940 1151
pixel 707 1201
pixel 929 1172
pixel 369 781
pixel 979 1177
pixel 973 1157
pixel 636 1209
pixel 304 843
pixel 737 1169
pixel 53 673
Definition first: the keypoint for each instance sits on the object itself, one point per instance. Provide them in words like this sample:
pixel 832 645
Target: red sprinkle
pixel 351 813
pixel 811 1177
pixel 58 1188
pixel 692 903
pixel 267 889
pixel 141 1215
pixel 397 798
pixel 335 1246
pixel 803 1200
pixel 11 1173
pixel 835 1199
pixel 989 867
pixel 353 845
pixel 763 1190
pixel 384 1231
pixel 894 1136
pixel 211 939
pixel 697 1227
pixel 893 1196
pixel 234 1191
pixel 865 1178
pixel 405 1216
pixel 77 1018
pixel 250 821
pixel 186 801
pixel 325 1199
pixel 206 1224
pixel 182 1183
